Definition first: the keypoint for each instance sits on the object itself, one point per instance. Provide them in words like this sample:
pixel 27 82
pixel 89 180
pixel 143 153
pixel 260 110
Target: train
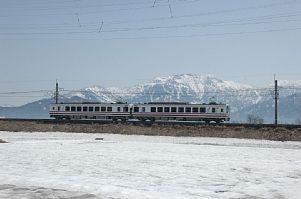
pixel 151 111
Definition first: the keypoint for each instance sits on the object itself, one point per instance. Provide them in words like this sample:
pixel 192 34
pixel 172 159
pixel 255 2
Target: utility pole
pixel 56 92
pixel 276 97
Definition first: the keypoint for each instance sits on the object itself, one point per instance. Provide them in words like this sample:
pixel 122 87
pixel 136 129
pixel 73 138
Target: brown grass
pixel 279 134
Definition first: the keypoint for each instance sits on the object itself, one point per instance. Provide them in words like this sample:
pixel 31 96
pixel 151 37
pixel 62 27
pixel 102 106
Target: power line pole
pixel 56 92
pixel 276 97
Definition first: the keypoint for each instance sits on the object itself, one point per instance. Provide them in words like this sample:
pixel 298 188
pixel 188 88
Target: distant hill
pixel 243 99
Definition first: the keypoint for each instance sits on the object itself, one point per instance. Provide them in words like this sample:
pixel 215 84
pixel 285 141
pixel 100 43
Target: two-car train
pixel 152 111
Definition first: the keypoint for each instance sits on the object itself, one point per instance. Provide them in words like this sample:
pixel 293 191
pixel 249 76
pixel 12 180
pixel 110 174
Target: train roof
pixel 92 103
pixel 176 103
pixel 150 103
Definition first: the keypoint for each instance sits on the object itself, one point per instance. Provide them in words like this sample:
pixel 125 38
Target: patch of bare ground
pixel 2 141
pixel 265 133
pixel 35 192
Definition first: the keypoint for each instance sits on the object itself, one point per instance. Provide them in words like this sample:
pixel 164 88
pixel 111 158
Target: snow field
pixel 138 167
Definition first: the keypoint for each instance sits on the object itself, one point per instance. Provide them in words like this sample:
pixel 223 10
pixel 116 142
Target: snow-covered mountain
pixel 177 88
pixel 195 89
pixel 243 99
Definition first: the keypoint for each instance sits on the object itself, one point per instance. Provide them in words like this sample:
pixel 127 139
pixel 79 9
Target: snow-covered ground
pixel 62 165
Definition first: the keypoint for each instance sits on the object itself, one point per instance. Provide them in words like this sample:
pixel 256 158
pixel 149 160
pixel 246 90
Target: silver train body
pixel 168 111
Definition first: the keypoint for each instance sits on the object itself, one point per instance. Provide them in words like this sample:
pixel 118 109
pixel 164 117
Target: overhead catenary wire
pixel 170 10
pixel 174 95
pixel 91 29
pixel 91 12
pixel 262 6
pixel 253 20
pixel 114 22
pixel 248 21
pixel 205 35
pixel 102 5
pixel 154 3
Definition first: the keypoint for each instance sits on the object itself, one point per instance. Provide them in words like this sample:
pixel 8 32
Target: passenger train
pixel 152 111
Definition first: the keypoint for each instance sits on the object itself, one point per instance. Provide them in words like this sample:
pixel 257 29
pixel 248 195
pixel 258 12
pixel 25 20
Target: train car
pixel 152 111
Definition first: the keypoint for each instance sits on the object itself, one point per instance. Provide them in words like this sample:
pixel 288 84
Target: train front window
pixel 195 109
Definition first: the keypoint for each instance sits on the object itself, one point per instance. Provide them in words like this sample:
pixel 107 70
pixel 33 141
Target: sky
pixel 125 42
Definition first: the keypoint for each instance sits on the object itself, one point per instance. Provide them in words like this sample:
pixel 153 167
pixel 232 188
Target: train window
pixel 125 109
pixel 142 109
pixel 160 109
pixel 188 109
pixel 222 110
pixel 166 109
pixel 213 110
pixel 85 109
pixel 202 110
pixel 173 109
pixel 103 109
pixel 97 108
pixel 181 109
pixel 109 109
pixel 195 109
pixel 153 109
pixel 118 109
pixel 78 108
pixel 67 108
pixel 91 108
pixel 136 109
pixel 53 108
pixel 73 108
pixel 58 108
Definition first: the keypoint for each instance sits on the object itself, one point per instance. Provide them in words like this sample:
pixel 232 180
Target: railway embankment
pixel 281 133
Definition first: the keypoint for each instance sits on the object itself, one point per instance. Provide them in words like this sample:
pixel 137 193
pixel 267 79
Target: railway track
pixel 149 123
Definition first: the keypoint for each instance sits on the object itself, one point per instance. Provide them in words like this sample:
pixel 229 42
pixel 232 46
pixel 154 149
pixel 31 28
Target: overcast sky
pixel 125 42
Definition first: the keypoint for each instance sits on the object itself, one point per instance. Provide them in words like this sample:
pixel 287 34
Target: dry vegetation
pixel 279 134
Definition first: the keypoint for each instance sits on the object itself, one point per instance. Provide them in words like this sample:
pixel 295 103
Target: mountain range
pixel 243 99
